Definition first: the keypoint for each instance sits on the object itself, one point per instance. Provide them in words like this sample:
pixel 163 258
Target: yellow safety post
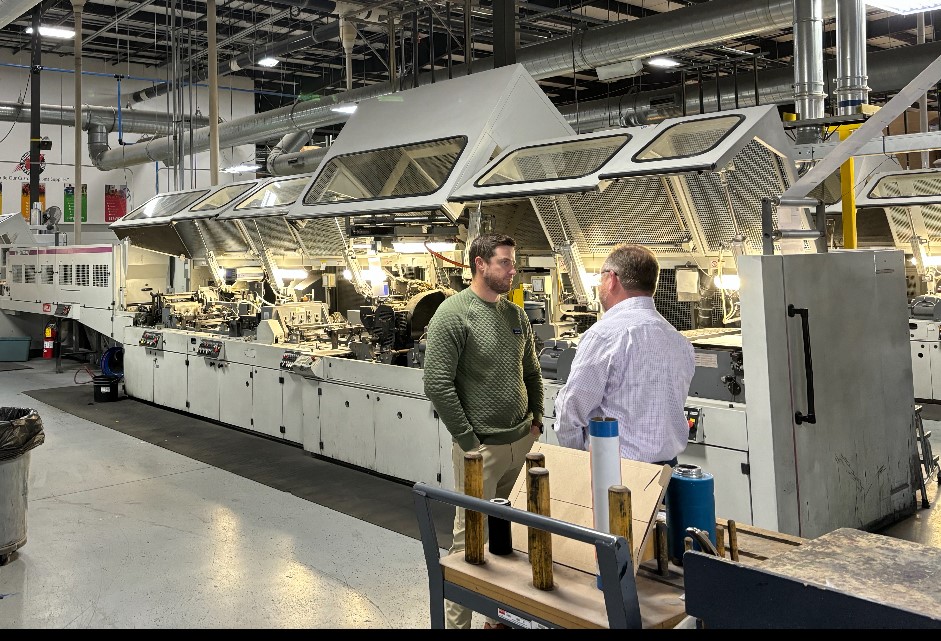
pixel 848 192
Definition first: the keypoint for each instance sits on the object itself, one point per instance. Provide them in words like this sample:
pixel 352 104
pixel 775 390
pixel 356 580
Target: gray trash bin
pixel 20 431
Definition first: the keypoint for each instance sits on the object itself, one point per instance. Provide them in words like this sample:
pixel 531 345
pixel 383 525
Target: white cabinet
pixel 203 387
pixel 235 395
pixel 170 380
pixel 139 372
pixel 267 414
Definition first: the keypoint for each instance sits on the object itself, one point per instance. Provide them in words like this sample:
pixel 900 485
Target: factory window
pixel 223 196
pixel 30 276
pixel 277 193
pixel 418 169
pixel 689 138
pixel 99 276
pixel 47 275
pixel 556 161
pixel 165 205
pixel 81 275
pixel 17 273
pixel 65 275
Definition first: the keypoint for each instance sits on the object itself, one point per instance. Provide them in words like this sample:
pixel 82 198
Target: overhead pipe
pixel 850 93
pixel 809 93
pixel 77 6
pixel 850 89
pixel 286 158
pixel 888 70
pixel 213 95
pixel 671 31
pixel 141 122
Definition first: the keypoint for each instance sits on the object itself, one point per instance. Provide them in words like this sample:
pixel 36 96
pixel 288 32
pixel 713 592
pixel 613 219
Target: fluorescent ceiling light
pixel 239 169
pixel 53 32
pixel 291 274
pixel 929 261
pixel 905 7
pixel 268 62
pixel 344 109
pixel 663 62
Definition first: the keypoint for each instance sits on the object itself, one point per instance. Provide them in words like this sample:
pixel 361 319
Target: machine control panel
pixel 693 416
pixel 210 349
pixel 153 340
pixel 62 311
pixel 288 358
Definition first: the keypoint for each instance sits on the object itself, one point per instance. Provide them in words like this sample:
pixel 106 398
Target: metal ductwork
pixel 672 31
pixel 809 90
pixel 888 70
pixel 851 90
pixel 11 10
pixel 97 142
pixel 137 122
pixel 285 158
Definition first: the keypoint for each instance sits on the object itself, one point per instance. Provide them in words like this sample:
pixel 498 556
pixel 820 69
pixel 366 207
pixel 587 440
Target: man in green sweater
pixel 482 374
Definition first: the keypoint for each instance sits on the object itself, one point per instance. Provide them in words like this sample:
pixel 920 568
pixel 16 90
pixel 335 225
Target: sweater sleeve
pixel 446 339
pixel 532 375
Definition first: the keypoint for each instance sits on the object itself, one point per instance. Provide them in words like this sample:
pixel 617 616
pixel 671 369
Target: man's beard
pixel 497 285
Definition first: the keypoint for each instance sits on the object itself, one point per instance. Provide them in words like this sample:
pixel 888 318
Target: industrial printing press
pixel 304 299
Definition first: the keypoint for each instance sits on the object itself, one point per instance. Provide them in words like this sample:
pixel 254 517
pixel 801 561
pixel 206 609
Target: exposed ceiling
pixel 147 32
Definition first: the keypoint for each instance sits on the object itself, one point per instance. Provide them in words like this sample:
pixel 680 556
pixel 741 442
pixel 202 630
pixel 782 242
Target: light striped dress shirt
pixel 631 365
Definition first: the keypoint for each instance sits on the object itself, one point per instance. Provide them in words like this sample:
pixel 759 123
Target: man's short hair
pixel 636 267
pixel 485 246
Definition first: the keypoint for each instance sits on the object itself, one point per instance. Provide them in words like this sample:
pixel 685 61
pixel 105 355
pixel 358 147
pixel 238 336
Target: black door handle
pixel 810 416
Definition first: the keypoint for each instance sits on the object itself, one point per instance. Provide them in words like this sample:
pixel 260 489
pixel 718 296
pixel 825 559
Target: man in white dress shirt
pixel 631 365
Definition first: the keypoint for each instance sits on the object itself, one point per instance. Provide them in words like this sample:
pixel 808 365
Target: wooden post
pixel 474 521
pixel 533 459
pixel 720 540
pixel 733 540
pixel 540 552
pixel 662 550
pixel 619 514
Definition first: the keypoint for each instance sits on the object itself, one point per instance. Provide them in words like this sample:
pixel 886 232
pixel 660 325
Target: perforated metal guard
pixel 517 220
pixel 565 160
pixel 758 174
pixel 219 237
pixel 632 210
pixel 323 237
pixel 680 313
pixel 272 234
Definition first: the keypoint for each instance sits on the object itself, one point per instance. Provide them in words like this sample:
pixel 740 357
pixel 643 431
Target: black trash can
pixel 106 387
pixel 20 431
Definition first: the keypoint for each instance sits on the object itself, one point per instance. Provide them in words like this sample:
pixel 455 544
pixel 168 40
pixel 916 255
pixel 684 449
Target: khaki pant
pixel 502 465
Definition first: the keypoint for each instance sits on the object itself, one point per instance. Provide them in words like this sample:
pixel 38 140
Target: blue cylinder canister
pixel 690 502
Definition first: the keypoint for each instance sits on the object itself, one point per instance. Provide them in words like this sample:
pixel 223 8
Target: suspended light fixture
pixel 269 62
pixel 53 32
pixel 344 109
pixel 662 62
pixel 240 169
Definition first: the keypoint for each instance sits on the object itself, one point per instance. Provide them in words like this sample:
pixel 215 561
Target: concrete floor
pixel 124 534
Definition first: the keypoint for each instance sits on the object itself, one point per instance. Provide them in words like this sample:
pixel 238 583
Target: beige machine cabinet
pixel 235 395
pixel 347 430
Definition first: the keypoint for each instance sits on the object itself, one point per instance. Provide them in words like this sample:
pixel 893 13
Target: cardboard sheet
pixel 570 500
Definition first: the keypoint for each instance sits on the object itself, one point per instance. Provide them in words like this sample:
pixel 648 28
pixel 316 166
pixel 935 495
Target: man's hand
pixel 535 429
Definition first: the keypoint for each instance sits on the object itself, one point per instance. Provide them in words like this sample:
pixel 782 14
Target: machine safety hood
pixel 912 203
pixel 685 187
pixel 403 154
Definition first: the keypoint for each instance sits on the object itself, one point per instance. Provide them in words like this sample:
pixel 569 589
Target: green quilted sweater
pixel 481 370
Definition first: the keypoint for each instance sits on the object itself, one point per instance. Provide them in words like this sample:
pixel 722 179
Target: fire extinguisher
pixel 49 339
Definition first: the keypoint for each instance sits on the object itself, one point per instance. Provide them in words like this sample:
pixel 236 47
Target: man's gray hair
pixel 636 268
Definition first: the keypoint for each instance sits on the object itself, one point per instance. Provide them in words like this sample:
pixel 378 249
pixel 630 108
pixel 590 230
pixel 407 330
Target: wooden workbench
pixel 576 601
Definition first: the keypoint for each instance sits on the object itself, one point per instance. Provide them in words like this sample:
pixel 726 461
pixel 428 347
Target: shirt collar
pixel 635 302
